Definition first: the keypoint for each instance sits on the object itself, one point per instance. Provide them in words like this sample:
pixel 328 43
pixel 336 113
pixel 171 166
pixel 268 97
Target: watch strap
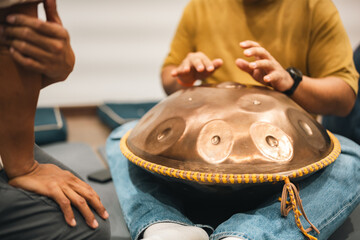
pixel 296 75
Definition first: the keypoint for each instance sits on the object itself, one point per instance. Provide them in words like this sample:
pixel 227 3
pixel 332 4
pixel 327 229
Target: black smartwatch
pixel 295 74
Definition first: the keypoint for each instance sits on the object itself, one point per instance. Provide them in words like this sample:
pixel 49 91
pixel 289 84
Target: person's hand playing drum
pixel 312 93
pixel 195 66
pixel 265 69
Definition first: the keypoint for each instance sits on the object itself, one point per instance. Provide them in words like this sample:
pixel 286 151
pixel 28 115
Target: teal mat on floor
pixel 116 114
pixel 50 125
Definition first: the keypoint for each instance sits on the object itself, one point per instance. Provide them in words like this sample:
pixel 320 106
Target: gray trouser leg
pixel 26 215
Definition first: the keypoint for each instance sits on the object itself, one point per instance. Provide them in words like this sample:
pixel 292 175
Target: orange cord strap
pixel 295 202
pixel 184 84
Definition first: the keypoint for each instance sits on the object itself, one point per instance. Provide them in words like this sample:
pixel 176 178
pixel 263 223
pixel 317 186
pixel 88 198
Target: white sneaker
pixel 174 231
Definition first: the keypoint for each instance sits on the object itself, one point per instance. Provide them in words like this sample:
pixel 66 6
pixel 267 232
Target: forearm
pixel 170 83
pixel 18 98
pixel 330 95
pixel 48 81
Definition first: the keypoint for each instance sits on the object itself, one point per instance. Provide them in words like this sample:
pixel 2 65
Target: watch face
pixel 295 72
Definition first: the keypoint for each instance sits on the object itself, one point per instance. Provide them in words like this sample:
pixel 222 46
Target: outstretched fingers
pixel 66 190
pixel 80 203
pixel 257 52
pixel 91 197
pixel 248 44
pixel 200 62
pixel 196 65
pixel 64 202
pixel 264 64
pixel 244 65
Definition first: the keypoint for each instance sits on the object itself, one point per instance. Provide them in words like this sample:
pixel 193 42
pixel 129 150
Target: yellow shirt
pixel 306 34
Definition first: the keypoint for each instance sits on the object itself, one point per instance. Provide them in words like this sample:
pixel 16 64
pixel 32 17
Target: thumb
pixel 51 11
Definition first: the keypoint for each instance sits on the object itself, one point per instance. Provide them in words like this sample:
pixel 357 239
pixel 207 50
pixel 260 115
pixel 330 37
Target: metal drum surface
pixel 229 134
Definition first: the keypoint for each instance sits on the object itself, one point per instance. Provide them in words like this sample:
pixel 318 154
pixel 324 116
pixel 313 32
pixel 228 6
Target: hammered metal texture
pixel 229 128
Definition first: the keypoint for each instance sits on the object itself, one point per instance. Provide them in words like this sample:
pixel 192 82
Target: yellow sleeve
pixel 330 53
pixel 183 41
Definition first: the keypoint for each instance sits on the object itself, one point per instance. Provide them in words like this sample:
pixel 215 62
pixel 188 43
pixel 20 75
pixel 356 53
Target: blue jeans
pixel 328 197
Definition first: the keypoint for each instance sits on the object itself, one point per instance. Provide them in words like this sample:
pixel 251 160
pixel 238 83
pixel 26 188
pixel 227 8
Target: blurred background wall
pixel 120 46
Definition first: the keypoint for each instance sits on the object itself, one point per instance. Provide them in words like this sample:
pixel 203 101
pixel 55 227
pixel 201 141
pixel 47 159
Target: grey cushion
pixel 350 230
pixel 82 159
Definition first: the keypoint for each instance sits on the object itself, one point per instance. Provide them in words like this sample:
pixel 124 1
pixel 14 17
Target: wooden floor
pixel 83 125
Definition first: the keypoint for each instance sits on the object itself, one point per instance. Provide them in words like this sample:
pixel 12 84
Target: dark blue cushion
pixel 357 58
pixel 50 126
pixel 115 114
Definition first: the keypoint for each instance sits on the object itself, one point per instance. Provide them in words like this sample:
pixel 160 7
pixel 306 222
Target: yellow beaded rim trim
pixel 214 178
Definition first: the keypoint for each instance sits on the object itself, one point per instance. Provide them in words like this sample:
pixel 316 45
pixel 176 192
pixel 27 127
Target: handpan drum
pixel 230 134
